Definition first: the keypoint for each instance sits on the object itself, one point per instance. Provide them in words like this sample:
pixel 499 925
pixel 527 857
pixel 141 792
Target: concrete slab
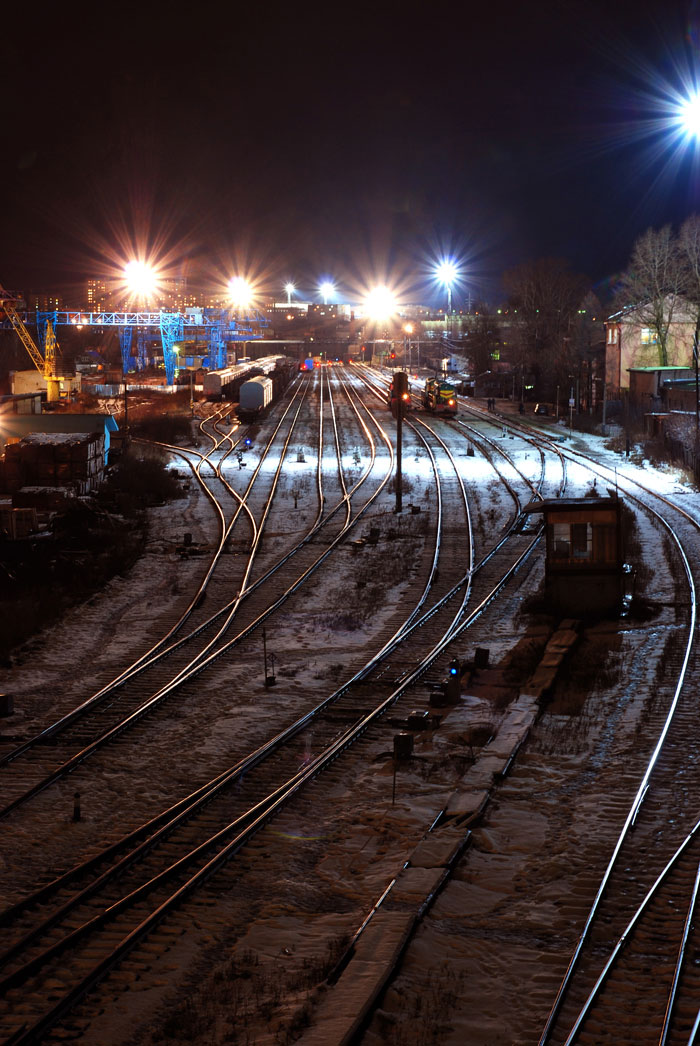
pixel 467 805
pixel 342 1007
pixel 438 848
pixel 415 884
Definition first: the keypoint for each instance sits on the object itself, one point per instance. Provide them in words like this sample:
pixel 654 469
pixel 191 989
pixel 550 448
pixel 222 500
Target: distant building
pixel 27 381
pixel 98 296
pixel 39 301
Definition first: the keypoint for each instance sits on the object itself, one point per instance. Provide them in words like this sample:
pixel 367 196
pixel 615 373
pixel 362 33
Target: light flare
pixel 240 292
pixel 689 116
pixel 380 303
pixel 141 279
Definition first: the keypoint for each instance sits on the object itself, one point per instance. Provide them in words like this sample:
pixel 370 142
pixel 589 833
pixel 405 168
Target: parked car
pixel 541 408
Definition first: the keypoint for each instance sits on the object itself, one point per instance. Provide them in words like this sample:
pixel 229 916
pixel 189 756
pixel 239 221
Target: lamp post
pixel 447 273
pixel 326 288
pixel 408 331
pixel 240 292
pixel 289 288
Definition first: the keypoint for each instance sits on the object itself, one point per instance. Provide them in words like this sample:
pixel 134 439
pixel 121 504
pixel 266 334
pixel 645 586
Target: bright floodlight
pixel 327 289
pixel 240 291
pixel 446 272
pixel 140 279
pixel 689 115
pixel 289 288
pixel 380 303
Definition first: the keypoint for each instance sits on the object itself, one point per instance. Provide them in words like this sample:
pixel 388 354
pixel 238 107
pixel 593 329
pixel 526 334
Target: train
pixel 226 383
pixel 440 396
pixel 261 390
pixel 222 383
pixel 307 364
pixel 254 397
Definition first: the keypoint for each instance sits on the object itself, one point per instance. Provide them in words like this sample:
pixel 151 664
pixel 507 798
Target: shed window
pixel 581 540
pixel 572 541
pixel 561 540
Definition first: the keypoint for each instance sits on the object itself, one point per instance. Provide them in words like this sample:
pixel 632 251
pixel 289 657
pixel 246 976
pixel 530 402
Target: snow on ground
pixel 45 683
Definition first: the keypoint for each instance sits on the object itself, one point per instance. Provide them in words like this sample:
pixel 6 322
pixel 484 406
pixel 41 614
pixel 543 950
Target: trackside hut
pixel 583 564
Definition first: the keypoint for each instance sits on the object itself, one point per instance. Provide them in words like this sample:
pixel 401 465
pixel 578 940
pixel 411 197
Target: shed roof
pixel 567 504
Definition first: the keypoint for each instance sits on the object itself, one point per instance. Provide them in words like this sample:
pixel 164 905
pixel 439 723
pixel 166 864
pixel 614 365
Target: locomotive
pixel 440 396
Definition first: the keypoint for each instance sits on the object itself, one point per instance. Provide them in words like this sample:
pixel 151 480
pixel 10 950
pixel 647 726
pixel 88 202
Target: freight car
pixel 254 397
pixel 260 390
pixel 222 383
pixel 440 396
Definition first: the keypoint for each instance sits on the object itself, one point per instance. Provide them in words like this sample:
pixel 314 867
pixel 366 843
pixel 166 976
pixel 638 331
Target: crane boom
pixel 45 365
pixel 24 335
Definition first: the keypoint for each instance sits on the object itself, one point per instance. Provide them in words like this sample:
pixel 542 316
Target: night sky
pixel 361 143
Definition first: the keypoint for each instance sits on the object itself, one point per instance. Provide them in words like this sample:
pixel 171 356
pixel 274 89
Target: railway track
pixel 624 821
pixel 324 751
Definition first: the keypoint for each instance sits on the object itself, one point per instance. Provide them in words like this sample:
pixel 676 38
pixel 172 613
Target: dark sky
pixel 359 142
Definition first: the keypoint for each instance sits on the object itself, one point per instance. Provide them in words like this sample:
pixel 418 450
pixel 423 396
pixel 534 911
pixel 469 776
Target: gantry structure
pixel 205 331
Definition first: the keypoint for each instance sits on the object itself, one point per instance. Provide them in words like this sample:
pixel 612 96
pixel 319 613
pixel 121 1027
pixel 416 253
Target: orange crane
pixel 46 365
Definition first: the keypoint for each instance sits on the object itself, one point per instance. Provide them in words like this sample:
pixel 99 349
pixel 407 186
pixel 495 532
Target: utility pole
pixel 400 398
pixel 696 337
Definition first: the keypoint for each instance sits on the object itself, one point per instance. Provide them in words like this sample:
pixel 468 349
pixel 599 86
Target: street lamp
pixel 289 288
pixel 689 121
pixel 380 304
pixel 327 289
pixel 141 279
pixel 689 115
pixel 379 307
pixel 240 292
pixel 447 273
pixel 408 331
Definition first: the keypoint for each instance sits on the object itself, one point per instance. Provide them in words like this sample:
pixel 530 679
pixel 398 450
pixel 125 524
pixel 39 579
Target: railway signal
pixel 453 685
pixel 399 400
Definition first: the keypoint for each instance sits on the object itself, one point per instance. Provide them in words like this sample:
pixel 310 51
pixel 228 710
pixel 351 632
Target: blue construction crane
pixel 214 327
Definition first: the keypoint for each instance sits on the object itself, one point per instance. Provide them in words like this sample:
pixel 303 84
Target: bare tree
pixel 546 296
pixel 652 289
pixel 689 244
pixel 483 341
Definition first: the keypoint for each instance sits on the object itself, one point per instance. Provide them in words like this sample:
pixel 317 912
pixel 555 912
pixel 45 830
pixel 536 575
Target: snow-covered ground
pixel 506 872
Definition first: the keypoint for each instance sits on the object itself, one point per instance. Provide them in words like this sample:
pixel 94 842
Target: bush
pixel 141 479
pixel 163 428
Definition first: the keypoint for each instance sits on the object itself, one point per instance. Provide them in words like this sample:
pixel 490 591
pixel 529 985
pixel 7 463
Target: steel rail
pixel 614 954
pixel 199 664
pixel 266 809
pixel 147 659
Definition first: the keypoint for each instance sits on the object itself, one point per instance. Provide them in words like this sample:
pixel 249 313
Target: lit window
pixel 649 337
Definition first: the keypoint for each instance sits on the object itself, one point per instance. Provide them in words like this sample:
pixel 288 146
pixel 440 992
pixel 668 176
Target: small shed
pixel 584 570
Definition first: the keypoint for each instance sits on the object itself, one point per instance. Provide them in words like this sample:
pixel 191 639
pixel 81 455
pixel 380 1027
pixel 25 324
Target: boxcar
pixel 254 397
